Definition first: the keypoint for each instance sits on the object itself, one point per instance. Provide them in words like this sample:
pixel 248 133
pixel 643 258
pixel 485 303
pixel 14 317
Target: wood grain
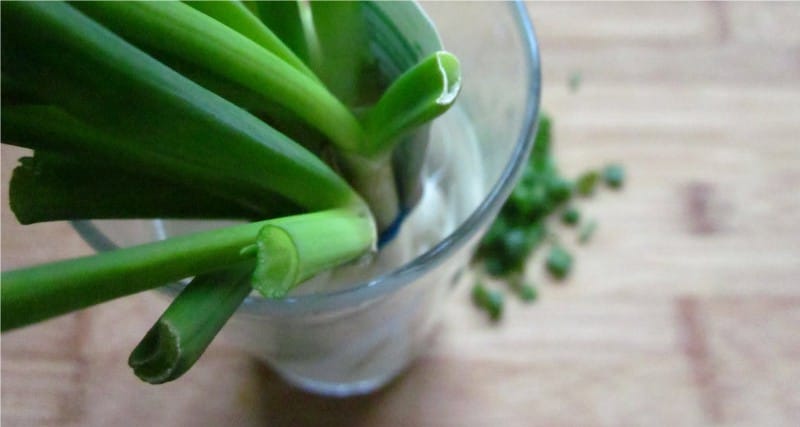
pixel 683 310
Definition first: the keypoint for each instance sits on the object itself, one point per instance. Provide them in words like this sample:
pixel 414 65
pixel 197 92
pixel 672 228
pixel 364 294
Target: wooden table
pixel 684 309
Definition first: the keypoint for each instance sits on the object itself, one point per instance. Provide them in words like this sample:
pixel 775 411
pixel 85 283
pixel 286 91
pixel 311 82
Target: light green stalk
pixel 289 250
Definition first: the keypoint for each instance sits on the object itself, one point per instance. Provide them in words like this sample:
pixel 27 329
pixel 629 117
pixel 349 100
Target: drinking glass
pixel 356 335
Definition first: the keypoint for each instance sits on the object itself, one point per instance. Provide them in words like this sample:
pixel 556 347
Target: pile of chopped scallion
pixel 276 113
pixel 525 224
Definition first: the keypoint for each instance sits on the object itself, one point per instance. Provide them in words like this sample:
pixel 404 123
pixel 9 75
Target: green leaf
pixel 177 130
pixel 420 94
pixel 181 31
pixel 292 251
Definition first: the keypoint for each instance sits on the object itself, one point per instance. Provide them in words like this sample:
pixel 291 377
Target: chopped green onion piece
pixel 571 216
pixel 190 323
pixel 32 294
pixel 529 197
pixel 558 189
pixel 559 262
pixel 587 183
pixel 489 300
pixel 614 176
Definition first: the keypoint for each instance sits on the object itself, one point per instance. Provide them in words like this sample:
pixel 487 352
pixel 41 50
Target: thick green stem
pixel 189 34
pixel 177 129
pixel 190 323
pixel 33 294
pixel 294 250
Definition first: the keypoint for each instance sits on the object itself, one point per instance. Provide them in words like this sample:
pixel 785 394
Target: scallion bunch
pixel 277 113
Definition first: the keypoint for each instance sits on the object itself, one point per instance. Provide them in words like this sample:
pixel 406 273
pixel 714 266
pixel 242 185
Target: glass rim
pixel 377 286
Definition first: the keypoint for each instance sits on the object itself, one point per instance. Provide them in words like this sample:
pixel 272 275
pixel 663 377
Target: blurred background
pixel 683 310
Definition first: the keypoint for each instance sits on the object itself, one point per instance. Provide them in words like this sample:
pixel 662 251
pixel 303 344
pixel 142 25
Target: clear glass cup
pixel 357 336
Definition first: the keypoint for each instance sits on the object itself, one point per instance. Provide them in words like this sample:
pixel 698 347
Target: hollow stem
pixel 288 250
pixel 190 323
pixel 292 251
pixel 419 95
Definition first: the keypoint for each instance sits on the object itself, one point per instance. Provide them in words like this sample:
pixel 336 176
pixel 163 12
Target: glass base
pixel 334 389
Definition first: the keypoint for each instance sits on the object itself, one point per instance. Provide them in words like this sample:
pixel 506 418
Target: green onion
pixel 293 250
pixel 540 153
pixel 341 48
pixel 33 294
pixel 489 300
pixel 237 16
pixel 285 20
pixel 586 183
pixel 179 30
pixel 587 231
pixel 614 176
pixel 425 91
pixel 527 292
pixel 37 293
pixel 559 262
pixel 559 190
pixel 154 109
pixel 571 216
pixel 51 187
pixel 187 327
pixel 75 62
